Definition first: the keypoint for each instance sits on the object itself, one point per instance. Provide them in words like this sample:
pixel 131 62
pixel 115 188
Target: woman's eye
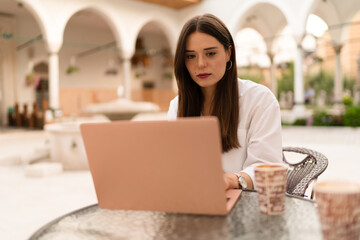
pixel 190 56
pixel 210 54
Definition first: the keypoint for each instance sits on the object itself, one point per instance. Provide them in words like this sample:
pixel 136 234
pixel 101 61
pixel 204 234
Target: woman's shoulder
pixel 173 108
pixel 174 101
pixel 247 87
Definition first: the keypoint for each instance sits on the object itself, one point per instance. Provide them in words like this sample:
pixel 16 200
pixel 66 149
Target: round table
pixel 299 221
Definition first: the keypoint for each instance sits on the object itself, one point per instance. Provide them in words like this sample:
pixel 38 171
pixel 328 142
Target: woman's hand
pixel 231 181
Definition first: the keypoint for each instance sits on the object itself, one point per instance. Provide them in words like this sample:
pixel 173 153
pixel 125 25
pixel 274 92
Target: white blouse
pixel 259 130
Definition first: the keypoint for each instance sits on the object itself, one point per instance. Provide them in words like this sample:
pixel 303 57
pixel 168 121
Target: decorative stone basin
pixel 66 144
pixel 121 109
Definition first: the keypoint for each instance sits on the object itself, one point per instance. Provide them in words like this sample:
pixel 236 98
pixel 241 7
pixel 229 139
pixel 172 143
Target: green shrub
pixel 321 81
pixel 252 74
pixel 352 116
pixel 322 118
pixel 286 81
pixel 324 80
pixel 348 101
pixel 300 122
pixel 348 83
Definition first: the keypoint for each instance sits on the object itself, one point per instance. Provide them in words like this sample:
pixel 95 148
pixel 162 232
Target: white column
pixel 299 78
pixel 273 81
pixel 356 92
pixel 299 110
pixel 54 88
pixel 338 84
pixel 126 65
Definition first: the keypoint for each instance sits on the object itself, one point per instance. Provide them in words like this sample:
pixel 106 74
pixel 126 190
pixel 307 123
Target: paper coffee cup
pixel 271 187
pixel 338 207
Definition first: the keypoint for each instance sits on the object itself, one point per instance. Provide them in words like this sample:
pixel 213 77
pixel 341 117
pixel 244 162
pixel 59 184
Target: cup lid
pixel 336 187
pixel 270 167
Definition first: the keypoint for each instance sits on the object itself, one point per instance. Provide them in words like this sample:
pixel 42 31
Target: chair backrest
pixel 301 173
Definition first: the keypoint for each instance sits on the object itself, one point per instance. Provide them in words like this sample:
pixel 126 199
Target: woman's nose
pixel 201 61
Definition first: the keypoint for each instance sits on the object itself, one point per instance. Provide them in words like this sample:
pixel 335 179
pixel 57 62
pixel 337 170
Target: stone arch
pixel 329 14
pixel 157 82
pixel 244 14
pixel 40 18
pixel 91 55
pixel 165 27
pixel 337 14
pixel 247 43
pixel 267 18
pixel 116 30
pixel 334 12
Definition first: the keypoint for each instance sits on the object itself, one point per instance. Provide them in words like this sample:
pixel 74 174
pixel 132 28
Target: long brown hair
pixel 226 100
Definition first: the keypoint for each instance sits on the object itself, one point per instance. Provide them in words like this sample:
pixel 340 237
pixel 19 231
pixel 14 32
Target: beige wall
pixel 8 94
pixel 349 52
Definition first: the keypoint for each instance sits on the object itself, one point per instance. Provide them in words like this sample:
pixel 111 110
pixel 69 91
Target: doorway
pixel 42 89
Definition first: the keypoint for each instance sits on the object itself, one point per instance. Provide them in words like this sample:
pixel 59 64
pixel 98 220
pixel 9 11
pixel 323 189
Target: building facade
pixel 65 54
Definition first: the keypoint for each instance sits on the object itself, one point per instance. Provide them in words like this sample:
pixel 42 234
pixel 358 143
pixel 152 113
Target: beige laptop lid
pixel 171 166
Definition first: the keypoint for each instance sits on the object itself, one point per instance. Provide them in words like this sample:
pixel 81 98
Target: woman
pixel 249 114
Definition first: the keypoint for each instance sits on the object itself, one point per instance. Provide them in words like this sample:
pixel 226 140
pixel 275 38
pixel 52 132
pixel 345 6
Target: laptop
pixel 168 166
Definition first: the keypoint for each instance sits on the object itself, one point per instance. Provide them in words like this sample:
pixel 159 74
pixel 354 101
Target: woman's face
pixel 205 59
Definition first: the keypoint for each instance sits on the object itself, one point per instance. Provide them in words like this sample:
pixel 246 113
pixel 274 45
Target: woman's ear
pixel 228 53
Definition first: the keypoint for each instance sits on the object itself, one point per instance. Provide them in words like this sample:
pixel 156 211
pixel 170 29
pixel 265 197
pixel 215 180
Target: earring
pixel 229 67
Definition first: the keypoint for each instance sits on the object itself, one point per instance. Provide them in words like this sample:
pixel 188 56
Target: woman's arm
pixel 264 137
pixel 262 120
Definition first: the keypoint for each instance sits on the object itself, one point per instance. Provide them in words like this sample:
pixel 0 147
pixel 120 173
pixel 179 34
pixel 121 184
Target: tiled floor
pixel 27 203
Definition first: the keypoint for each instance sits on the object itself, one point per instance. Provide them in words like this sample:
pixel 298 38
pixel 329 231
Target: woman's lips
pixel 203 75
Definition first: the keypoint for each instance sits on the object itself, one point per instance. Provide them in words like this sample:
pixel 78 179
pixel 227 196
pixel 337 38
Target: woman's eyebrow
pixel 209 48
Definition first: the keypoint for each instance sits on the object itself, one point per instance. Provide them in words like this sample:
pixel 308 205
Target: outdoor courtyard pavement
pixel 28 203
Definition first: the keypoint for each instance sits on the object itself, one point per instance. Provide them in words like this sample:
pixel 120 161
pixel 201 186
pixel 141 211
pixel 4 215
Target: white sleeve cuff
pixel 251 172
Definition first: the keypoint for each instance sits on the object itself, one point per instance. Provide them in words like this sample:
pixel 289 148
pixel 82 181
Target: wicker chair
pixel 302 173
